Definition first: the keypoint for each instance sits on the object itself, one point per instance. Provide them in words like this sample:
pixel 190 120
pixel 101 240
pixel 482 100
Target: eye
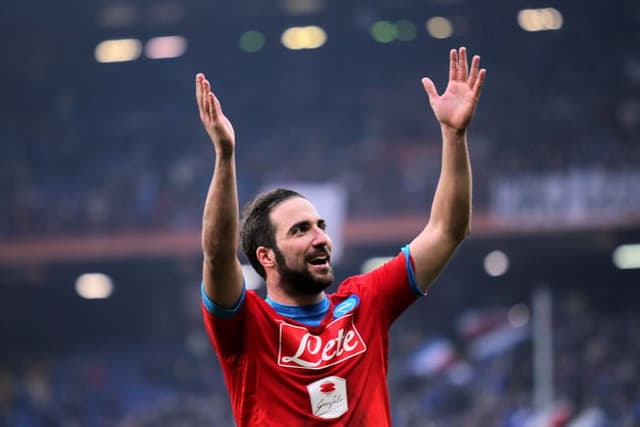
pixel 300 228
pixel 322 225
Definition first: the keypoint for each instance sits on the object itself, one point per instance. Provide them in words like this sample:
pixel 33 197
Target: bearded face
pixel 309 277
pixel 301 248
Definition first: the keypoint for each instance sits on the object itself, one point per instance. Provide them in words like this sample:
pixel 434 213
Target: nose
pixel 321 239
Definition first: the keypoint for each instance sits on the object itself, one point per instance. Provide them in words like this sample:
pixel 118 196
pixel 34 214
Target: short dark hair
pixel 256 229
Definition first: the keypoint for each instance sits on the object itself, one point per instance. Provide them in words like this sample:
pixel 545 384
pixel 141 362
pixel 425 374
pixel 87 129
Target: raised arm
pixel 222 274
pixel 450 219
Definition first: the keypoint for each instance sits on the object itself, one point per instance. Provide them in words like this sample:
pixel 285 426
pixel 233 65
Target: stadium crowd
pixel 596 359
pixel 123 155
pixel 89 148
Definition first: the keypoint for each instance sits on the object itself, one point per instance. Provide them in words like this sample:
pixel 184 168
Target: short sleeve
pixel 219 310
pixel 225 326
pixel 390 288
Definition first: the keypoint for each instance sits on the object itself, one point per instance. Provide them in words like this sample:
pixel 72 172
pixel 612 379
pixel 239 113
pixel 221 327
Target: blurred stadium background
pixel 104 169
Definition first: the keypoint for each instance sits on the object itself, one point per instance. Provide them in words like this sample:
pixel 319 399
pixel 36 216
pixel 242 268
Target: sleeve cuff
pixel 411 275
pixel 219 310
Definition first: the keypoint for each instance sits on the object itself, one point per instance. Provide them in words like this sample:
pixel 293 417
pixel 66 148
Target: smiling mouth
pixel 322 260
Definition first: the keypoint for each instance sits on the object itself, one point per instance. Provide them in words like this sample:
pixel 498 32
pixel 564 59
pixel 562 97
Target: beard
pixel 300 282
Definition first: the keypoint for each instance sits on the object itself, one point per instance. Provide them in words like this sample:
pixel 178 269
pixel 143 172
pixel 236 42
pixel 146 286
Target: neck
pixel 277 294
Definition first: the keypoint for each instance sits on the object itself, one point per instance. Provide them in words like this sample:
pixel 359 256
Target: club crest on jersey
pixel 346 306
pixel 339 341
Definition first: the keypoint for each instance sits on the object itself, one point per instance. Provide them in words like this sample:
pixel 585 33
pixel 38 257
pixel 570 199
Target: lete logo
pixel 339 341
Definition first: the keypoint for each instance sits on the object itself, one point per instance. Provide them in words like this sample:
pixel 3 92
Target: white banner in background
pixel 576 197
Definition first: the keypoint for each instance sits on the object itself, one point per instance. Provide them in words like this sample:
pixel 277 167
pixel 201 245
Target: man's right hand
pixel 215 122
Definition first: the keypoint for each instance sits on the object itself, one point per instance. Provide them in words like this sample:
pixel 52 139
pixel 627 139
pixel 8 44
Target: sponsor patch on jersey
pixel 337 342
pixel 346 306
pixel 328 397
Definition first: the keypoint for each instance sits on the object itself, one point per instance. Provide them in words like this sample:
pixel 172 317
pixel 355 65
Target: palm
pixel 455 107
pixel 217 125
pixel 220 130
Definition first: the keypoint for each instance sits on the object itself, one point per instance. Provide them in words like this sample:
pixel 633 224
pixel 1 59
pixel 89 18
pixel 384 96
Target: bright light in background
pixel 439 27
pixel 405 30
pixel 118 50
pixel 540 19
pixel 496 263
pixel 252 41
pixel 373 263
pixel 94 286
pixel 311 37
pixel 627 257
pixel 383 31
pixel 165 47
pixel 518 315
pixel 386 32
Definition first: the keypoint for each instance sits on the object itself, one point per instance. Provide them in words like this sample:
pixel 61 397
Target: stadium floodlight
pixel 383 31
pixel 540 19
pixel 496 263
pixel 120 50
pixel 439 27
pixel 94 286
pixel 309 37
pixel 627 257
pixel 165 47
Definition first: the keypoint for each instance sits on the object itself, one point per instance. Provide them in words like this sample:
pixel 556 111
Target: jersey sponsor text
pixel 339 341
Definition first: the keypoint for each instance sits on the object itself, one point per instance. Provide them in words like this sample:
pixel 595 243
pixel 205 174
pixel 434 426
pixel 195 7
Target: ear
pixel 266 257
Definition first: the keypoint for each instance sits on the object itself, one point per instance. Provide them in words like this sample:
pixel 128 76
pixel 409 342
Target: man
pixel 302 357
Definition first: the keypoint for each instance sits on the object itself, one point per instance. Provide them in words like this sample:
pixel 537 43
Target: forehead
pixel 292 211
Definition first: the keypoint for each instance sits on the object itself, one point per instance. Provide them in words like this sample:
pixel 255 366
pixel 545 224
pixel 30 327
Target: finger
pixel 205 88
pixel 477 87
pixel 199 78
pixel 463 67
pixel 216 110
pixel 430 88
pixel 473 73
pixel 206 99
pixel 453 65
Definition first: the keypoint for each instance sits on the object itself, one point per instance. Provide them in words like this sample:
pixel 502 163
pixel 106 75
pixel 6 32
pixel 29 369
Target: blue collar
pixel 310 315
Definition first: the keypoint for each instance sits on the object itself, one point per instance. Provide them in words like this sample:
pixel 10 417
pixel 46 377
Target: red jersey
pixel 280 372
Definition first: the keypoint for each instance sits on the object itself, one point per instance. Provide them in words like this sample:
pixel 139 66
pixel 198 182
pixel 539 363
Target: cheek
pixel 297 258
pixel 291 255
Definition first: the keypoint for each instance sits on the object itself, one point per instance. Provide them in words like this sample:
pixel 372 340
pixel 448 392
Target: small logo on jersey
pixel 339 341
pixel 346 306
pixel 328 397
pixel 327 387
